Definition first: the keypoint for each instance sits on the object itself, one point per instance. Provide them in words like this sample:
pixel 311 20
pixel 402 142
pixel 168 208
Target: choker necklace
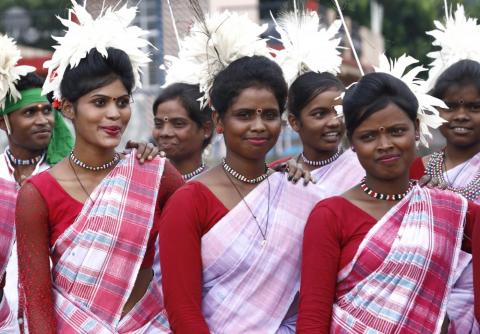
pixel 435 168
pixel 385 197
pixel 321 163
pixel 263 233
pixel 21 162
pixel 243 178
pixel 106 165
pixel 197 171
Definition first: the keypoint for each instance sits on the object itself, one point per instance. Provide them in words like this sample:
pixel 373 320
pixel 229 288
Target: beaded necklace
pixel 23 162
pixel 106 165
pixel 321 163
pixel 386 197
pixel 241 177
pixel 435 168
pixel 194 173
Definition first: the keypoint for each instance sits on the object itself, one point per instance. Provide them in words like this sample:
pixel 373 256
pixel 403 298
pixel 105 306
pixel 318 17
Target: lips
pixel 389 158
pixel 112 131
pixel 42 131
pixel 257 141
pixel 460 130
pixel 331 136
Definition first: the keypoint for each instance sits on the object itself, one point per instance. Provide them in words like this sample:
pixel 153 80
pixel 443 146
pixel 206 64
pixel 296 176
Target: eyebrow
pixel 103 95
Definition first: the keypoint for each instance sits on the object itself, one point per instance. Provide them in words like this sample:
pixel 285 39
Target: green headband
pixel 62 141
pixel 29 96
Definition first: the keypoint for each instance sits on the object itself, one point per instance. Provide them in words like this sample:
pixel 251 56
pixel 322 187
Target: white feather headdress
pixel 112 28
pixel 10 72
pixel 215 40
pixel 457 38
pixel 428 114
pixel 307 45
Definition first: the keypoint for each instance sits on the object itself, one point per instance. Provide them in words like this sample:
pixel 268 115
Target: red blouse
pixel 333 233
pixel 417 170
pixel 44 211
pixel 189 214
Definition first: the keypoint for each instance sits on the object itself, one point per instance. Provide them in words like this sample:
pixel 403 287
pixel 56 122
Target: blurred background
pixel 377 26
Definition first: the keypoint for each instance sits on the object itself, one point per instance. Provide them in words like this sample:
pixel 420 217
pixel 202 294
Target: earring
pixel 219 130
pixel 417 137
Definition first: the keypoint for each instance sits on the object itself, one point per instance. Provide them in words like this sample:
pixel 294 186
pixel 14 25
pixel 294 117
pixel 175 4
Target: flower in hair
pixel 111 29
pixel 10 72
pixel 457 38
pixel 428 114
pixel 307 46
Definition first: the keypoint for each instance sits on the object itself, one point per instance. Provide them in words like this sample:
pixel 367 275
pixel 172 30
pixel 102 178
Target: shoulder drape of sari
pixel 8 195
pixel 338 176
pixel 96 260
pixel 460 307
pixel 400 278
pixel 248 286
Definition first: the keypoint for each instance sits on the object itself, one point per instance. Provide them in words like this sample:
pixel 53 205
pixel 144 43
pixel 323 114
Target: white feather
pixel 457 38
pixel 10 72
pixel 428 114
pixel 212 45
pixel 112 28
pixel 307 45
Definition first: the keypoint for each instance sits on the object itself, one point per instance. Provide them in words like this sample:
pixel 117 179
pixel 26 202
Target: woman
pixel 457 168
pixel 312 98
pixel 381 256
pixel 231 239
pixel 96 211
pixel 182 128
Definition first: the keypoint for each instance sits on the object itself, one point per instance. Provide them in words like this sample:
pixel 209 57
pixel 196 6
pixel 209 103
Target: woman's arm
pixel 31 219
pixel 320 264
pixel 181 263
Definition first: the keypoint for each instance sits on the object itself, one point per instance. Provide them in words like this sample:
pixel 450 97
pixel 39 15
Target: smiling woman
pixel 182 128
pixel 82 212
pixel 358 247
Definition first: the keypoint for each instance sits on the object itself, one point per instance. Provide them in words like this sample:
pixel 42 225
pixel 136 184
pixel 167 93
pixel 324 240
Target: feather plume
pixel 457 39
pixel 215 40
pixel 428 114
pixel 112 28
pixel 307 46
pixel 10 72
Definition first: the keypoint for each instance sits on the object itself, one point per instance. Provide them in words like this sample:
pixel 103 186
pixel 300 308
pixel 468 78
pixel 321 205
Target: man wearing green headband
pixel 37 138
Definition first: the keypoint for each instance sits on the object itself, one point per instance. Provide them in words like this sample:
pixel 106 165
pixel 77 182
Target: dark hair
pixel 255 71
pixel 308 86
pixel 374 92
pixel 31 80
pixel 95 71
pixel 189 96
pixel 462 73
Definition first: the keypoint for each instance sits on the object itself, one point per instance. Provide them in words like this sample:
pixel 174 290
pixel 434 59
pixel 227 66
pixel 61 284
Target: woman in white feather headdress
pixel 233 234
pixel 310 59
pixel 454 77
pixel 94 215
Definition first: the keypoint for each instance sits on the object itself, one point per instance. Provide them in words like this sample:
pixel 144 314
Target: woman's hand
pixel 432 182
pixel 295 171
pixel 145 151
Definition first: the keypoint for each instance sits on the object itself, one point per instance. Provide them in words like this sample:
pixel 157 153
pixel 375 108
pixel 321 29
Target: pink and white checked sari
pixel 96 260
pixel 8 196
pixel 338 176
pixel 249 287
pixel 400 278
pixel 460 309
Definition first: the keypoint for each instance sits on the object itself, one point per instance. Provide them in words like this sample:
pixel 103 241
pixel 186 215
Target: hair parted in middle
pixel 374 92
pixel 95 71
pixel 246 72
